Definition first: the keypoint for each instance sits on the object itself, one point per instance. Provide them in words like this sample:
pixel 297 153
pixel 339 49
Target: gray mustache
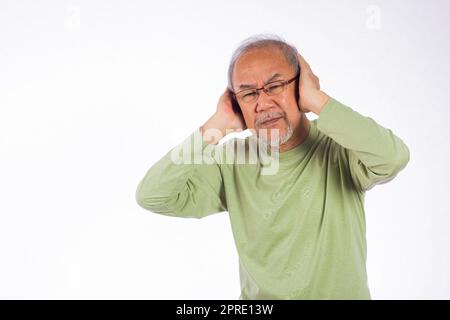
pixel 269 117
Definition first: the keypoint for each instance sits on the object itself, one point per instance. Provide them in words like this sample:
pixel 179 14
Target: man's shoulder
pixel 325 147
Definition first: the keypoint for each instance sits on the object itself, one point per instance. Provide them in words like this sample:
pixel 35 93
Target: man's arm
pixel 187 181
pixel 375 154
pixel 177 186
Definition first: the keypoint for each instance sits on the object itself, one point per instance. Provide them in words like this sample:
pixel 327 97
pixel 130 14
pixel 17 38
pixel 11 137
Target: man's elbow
pixel 144 199
pixel 153 203
pixel 401 159
pixel 141 199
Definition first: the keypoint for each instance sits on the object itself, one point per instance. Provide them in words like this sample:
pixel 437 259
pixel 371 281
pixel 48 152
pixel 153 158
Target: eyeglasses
pixel 271 89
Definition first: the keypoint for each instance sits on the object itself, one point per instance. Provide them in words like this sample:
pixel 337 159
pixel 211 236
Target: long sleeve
pixel 375 155
pixel 180 184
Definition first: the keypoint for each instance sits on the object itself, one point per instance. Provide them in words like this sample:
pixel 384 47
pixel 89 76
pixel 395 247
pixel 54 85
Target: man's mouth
pixel 270 121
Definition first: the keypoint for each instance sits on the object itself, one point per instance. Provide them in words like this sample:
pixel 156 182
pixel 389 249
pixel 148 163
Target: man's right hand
pixel 223 120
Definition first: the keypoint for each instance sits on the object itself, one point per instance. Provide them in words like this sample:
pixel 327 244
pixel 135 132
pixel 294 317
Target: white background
pixel 92 93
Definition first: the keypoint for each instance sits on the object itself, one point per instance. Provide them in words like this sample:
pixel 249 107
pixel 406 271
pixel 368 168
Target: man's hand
pixel 311 97
pixel 223 120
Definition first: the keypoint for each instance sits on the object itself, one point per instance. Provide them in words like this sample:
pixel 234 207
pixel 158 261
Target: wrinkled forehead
pixel 256 66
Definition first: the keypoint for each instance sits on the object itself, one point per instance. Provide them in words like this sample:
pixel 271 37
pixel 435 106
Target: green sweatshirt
pixel 300 233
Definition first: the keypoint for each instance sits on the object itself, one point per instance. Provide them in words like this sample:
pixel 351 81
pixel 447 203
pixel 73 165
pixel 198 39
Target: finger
pixel 316 79
pixel 302 61
pixel 300 107
pixel 303 64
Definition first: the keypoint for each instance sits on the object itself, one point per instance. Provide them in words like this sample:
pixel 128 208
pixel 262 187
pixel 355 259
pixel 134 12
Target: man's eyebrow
pixel 248 86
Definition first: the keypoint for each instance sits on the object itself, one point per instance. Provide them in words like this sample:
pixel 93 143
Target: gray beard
pixel 277 139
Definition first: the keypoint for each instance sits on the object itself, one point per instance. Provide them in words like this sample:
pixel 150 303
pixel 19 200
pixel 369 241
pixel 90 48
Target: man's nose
pixel 264 101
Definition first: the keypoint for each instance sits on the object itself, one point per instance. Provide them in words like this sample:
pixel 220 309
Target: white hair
pixel 263 41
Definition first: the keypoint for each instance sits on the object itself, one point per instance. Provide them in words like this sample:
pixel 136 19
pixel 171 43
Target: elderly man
pixel 300 232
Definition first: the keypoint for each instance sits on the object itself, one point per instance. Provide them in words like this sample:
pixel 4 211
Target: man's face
pixel 255 68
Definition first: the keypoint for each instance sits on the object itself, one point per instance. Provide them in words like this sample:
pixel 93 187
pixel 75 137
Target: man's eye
pixel 248 95
pixel 275 87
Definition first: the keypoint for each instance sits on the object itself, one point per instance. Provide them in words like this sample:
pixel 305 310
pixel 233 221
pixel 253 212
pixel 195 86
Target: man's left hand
pixel 312 99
